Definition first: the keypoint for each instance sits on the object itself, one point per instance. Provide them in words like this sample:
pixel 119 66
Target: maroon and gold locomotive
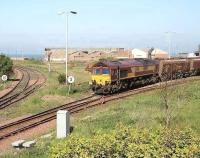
pixel 113 76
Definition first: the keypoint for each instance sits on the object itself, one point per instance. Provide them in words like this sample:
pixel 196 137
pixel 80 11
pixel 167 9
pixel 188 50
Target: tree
pixel 5 65
pixel 171 95
pixel 166 101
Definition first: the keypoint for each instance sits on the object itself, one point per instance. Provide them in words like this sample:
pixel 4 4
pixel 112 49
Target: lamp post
pixel 66 42
pixel 169 35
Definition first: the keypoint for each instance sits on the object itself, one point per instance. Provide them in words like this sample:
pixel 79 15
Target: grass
pixel 3 85
pixel 52 94
pixel 145 110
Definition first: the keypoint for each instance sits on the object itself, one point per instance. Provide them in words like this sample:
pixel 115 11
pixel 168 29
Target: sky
pixel 31 25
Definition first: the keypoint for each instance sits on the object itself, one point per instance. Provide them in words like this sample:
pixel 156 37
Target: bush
pixel 62 79
pixel 129 142
pixel 5 65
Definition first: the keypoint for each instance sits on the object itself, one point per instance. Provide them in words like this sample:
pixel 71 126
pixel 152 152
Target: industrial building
pixel 138 53
pixel 159 54
pixel 152 53
pixel 55 54
pixel 97 55
pixel 87 54
pixel 78 54
pixel 190 55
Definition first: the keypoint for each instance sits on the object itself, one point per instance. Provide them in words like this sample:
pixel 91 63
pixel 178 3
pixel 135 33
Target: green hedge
pixel 129 142
pixel 5 65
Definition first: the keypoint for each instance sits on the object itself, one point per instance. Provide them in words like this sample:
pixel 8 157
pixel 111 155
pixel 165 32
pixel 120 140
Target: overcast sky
pixel 32 25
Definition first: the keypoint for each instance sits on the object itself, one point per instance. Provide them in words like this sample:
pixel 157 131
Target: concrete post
pixel 63 123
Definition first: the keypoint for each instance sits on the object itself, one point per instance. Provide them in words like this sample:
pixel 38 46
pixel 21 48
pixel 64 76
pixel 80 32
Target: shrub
pixel 61 78
pixel 129 142
pixel 5 65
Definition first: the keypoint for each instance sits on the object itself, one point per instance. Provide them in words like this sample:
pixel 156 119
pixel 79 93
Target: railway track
pixel 21 125
pixel 19 75
pixel 30 81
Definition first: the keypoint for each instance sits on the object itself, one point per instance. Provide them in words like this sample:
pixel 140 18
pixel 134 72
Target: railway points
pixel 29 81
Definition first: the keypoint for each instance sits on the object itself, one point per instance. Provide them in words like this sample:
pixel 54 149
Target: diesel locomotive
pixel 114 76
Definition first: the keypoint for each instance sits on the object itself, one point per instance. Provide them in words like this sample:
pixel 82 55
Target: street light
pixel 169 35
pixel 66 44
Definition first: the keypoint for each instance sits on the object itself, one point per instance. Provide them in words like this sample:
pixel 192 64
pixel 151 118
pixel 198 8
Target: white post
pixel 63 123
pixel 66 45
pixel 66 13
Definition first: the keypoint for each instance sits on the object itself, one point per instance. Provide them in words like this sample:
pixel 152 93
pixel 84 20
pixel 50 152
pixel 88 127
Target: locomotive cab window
pixel 105 71
pixel 96 71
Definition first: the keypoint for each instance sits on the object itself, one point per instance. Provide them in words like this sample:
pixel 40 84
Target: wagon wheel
pixel 105 91
pixel 164 77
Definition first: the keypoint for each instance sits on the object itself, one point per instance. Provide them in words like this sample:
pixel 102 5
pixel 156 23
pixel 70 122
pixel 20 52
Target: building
pixel 151 53
pixel 139 53
pixel 19 58
pixel 82 54
pixel 54 54
pixel 126 54
pixel 159 54
pixel 188 55
pixel 78 56
pixel 98 55
pixel 197 53
pixel 191 55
